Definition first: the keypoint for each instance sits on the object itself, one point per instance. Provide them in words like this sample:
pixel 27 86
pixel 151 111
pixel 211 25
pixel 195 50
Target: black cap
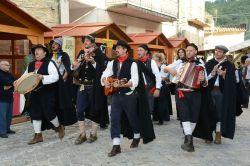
pixel 122 43
pixel 223 48
pixel 193 45
pixel 145 47
pixel 33 49
pixel 90 37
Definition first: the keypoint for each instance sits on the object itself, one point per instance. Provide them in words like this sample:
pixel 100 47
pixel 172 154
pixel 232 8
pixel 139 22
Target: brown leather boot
pixel 60 131
pixel 80 139
pixel 188 144
pixel 217 138
pixel 135 143
pixel 92 138
pixel 115 150
pixel 38 137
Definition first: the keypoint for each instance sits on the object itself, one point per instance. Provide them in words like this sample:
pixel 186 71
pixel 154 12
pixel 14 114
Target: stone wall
pixel 45 11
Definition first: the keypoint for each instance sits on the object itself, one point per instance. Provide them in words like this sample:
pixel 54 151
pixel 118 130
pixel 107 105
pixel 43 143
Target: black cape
pixel 163 105
pixel 228 88
pixel 206 122
pixel 146 125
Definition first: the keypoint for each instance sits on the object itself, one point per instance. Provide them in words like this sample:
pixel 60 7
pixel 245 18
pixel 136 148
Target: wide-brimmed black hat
pixel 145 47
pixel 90 37
pixel 122 43
pixel 223 48
pixel 40 46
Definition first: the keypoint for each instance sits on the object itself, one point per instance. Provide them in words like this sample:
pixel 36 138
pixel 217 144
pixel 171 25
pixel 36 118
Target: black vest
pixel 148 73
pixel 125 72
pixel 88 72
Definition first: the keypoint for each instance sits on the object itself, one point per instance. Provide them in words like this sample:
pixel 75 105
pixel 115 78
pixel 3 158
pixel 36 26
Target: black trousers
pixel 218 102
pixel 128 104
pixel 83 102
pixel 189 106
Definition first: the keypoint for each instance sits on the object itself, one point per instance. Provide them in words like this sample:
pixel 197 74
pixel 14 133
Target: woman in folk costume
pixel 188 99
pixel 43 98
pixel 162 104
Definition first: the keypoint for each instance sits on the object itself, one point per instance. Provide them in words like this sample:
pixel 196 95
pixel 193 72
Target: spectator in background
pixel 6 99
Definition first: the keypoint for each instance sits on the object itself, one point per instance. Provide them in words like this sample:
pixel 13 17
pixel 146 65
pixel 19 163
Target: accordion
pixel 190 75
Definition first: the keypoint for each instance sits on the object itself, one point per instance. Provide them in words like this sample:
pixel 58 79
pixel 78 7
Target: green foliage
pixel 230 12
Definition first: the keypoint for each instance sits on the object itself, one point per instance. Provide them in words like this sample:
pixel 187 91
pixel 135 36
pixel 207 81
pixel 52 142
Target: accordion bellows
pixel 190 75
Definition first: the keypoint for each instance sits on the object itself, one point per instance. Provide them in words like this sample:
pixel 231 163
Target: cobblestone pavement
pixel 165 150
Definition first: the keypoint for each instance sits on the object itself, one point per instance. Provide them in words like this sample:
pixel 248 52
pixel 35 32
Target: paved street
pixel 165 150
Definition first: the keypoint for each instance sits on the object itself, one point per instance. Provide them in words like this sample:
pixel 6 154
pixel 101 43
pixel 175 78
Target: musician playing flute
pixel 91 102
pixel 222 86
pixel 125 113
pixel 43 98
pixel 188 99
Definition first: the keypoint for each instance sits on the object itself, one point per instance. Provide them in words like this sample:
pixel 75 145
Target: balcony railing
pixel 164 7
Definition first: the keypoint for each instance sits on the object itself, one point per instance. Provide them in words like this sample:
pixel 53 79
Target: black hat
pixel 33 49
pixel 193 45
pixel 223 48
pixel 145 47
pixel 90 37
pixel 123 43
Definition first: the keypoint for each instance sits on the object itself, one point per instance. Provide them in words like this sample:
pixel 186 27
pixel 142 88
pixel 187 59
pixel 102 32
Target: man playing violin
pixel 91 101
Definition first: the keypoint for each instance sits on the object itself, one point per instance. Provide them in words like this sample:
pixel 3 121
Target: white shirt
pixel 52 77
pixel 59 64
pixel 134 75
pixel 157 74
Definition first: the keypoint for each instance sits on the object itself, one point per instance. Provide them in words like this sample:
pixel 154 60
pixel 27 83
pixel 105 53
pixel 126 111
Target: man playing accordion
pixel 189 77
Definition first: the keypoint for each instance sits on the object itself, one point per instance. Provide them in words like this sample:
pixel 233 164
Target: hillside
pixel 230 12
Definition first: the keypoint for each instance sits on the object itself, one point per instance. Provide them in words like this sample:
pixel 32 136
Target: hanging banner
pixel 108 42
pixel 69 46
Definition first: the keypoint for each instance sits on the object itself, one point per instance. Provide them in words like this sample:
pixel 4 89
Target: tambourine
pixel 27 83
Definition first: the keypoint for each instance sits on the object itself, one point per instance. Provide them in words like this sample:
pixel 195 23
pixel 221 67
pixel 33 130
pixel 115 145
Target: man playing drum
pixel 43 97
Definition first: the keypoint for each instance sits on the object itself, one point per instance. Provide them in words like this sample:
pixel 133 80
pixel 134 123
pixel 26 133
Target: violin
pixel 88 54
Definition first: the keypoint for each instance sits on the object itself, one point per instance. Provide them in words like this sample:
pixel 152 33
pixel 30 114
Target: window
pixel 5 47
pixel 21 47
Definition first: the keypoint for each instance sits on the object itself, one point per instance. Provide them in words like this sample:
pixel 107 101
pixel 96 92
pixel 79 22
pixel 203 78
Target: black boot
pixel 135 143
pixel 115 150
pixel 188 144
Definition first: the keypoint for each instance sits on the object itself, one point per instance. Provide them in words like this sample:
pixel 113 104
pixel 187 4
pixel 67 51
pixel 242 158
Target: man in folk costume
pixel 222 85
pixel 151 74
pixel 61 58
pixel 91 102
pixel 188 99
pixel 125 101
pixel 43 98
